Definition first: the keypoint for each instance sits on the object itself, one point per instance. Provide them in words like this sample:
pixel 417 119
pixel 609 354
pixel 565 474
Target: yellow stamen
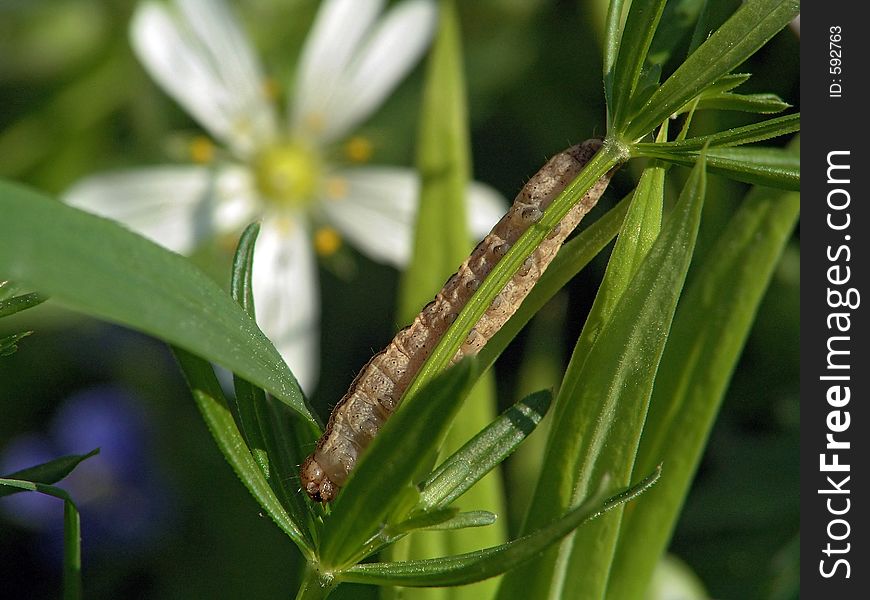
pixel 336 188
pixel 327 241
pixel 201 150
pixel 271 88
pixel 358 149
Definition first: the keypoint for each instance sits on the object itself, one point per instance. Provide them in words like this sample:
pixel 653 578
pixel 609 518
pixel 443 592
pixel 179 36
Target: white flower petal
pixel 330 46
pixel 176 207
pixel 202 59
pixel 379 210
pixel 389 52
pixel 286 295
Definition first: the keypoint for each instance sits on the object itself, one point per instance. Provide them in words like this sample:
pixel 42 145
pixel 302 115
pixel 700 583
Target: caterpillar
pixel 378 388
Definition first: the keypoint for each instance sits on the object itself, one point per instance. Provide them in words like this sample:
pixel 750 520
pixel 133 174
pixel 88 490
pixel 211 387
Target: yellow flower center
pixel 287 174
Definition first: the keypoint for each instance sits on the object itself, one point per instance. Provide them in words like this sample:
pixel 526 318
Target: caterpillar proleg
pixel 378 388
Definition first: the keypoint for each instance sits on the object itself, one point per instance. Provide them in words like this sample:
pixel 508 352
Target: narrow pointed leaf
pixel 641 21
pixel 389 464
pixel 756 132
pixel 709 331
pixel 15 304
pixel 601 406
pixel 754 23
pixel 9 343
pixel 49 472
pixel 81 260
pixel 484 452
pixel 674 30
pixel 482 564
pixel 274 437
pixel 464 520
pixel 612 30
pixel 247 396
pixel 213 406
pixel 772 167
pixel 751 103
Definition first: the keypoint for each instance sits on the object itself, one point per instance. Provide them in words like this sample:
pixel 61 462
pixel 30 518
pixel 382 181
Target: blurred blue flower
pixel 119 493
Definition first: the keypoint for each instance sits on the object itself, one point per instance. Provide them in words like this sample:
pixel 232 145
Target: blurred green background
pixel 75 101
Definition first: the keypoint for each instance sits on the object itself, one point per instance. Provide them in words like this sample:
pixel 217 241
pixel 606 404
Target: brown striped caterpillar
pixel 378 388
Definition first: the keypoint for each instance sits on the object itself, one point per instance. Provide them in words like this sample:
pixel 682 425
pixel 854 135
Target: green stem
pixel 315 586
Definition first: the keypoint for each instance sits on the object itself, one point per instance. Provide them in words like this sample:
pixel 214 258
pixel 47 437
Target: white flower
pixel 282 174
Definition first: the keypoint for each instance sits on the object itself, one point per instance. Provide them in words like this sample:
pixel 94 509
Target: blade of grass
pixel 710 328
pixel 97 267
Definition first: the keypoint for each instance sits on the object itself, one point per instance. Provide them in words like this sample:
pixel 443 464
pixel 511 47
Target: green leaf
pixel 9 343
pixel 72 532
pixel 674 29
pixel 276 439
pixel 639 232
pixel 213 406
pixel 19 303
pixel 389 465
pixel 441 239
pixel 247 396
pixel 754 23
pixel 482 564
pixel 97 267
pixel 612 30
pixel 464 520
pixel 637 34
pixel 50 472
pixel 708 334
pixel 600 409
pixel 752 103
pixel 756 132
pixel 484 451
pixel 772 167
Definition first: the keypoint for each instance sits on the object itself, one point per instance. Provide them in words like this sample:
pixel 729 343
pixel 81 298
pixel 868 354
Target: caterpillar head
pixel 315 482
